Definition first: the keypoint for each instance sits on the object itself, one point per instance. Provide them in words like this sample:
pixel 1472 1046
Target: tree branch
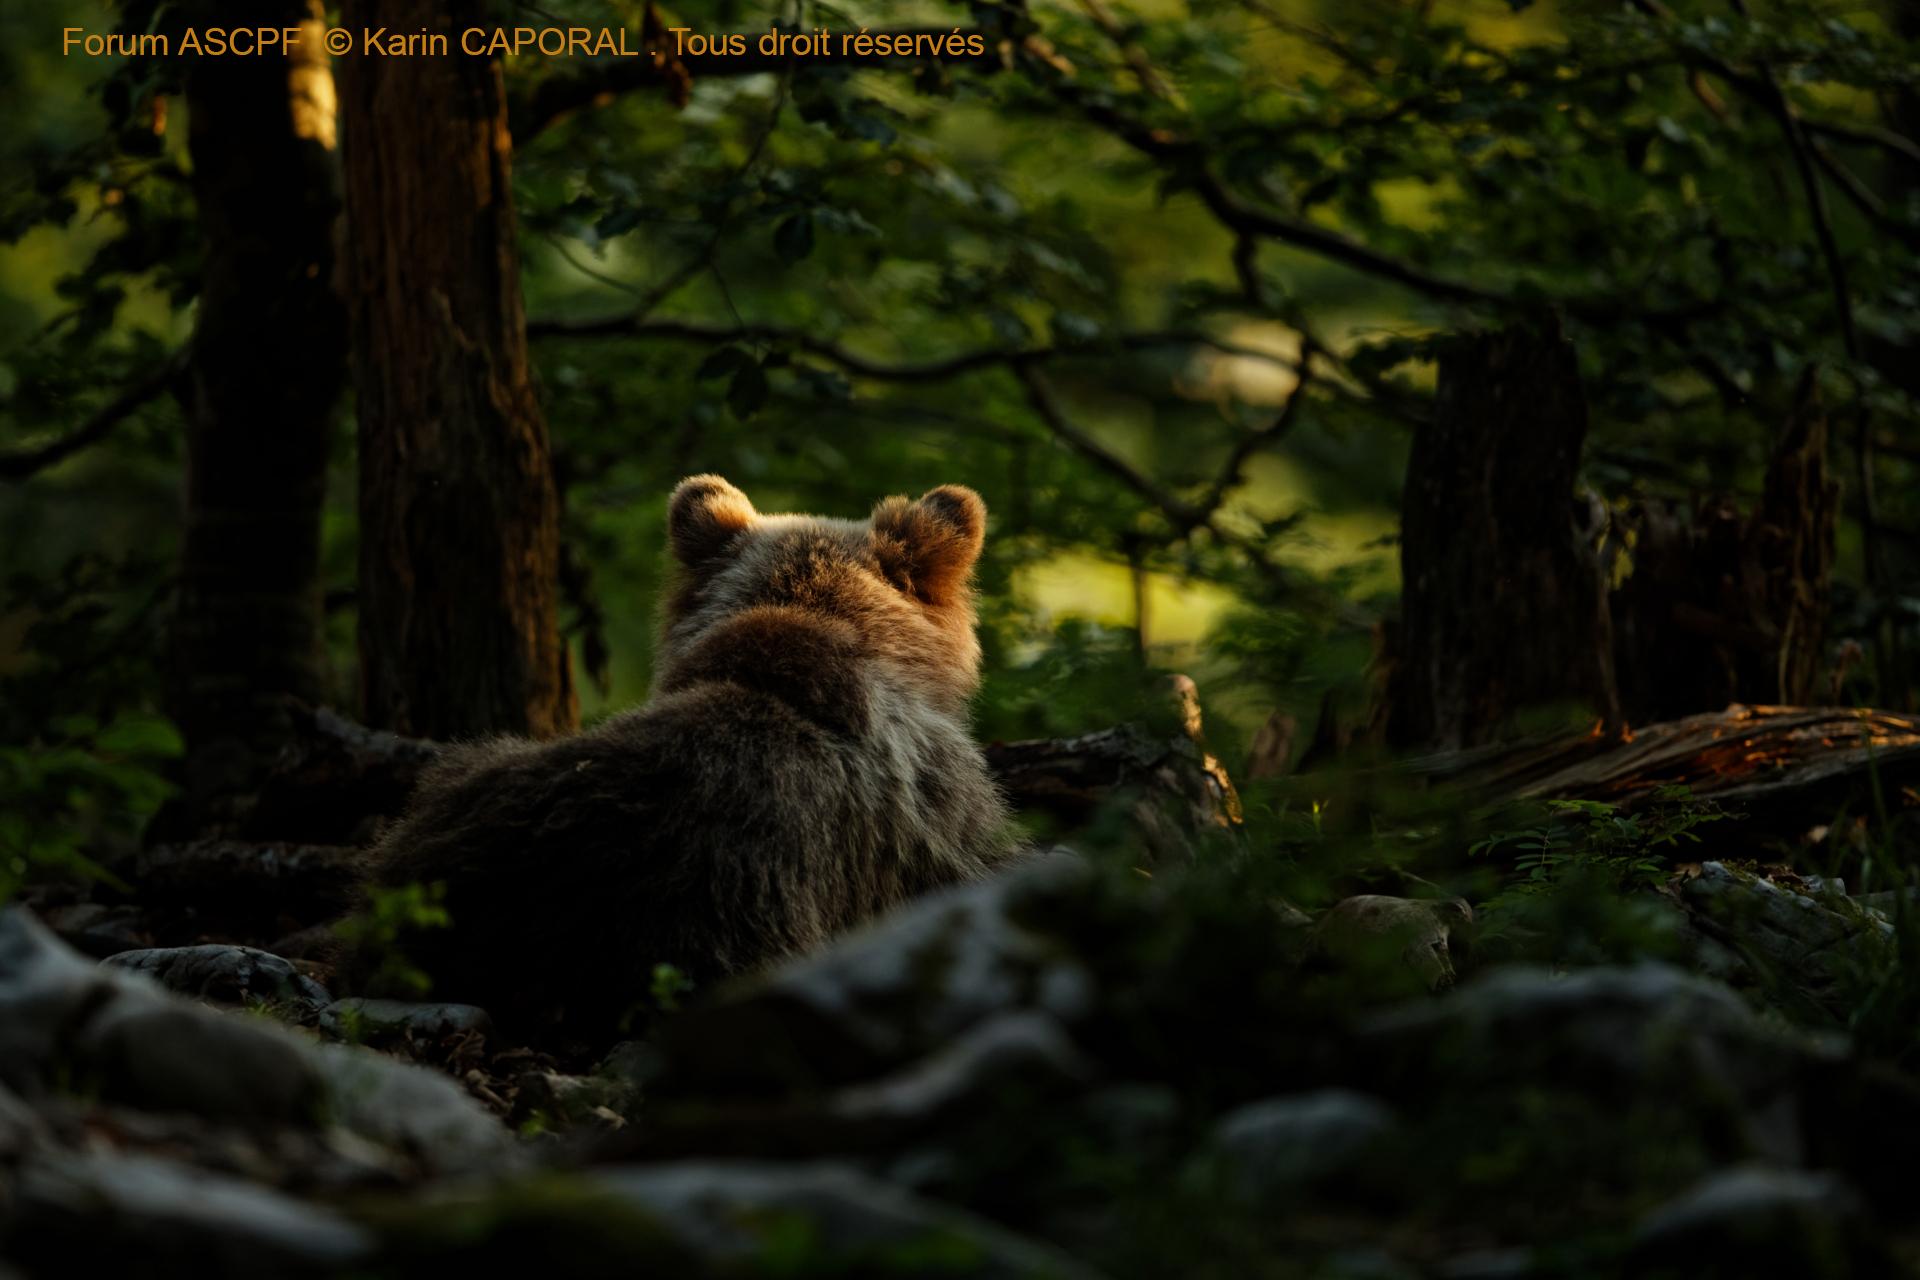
pixel 1252 442
pixel 556 97
pixel 866 366
pixel 20 464
pixel 1184 515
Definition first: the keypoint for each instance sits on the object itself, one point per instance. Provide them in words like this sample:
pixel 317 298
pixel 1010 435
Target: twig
pixel 1816 196
pixel 1252 442
pixel 557 97
pixel 879 370
pixel 22 463
pixel 1865 198
pixel 1184 515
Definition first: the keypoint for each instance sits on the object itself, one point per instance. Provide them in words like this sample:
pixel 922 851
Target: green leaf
pixel 138 734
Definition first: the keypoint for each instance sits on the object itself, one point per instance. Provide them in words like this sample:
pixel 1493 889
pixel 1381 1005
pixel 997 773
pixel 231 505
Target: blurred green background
pixel 1539 151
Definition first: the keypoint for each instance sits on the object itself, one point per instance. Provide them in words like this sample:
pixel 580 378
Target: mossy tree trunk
pixel 459 525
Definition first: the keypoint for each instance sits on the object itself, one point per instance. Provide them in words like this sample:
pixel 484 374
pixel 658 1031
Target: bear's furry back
pixel 792 777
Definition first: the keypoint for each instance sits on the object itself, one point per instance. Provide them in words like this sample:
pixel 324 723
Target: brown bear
pixel 803 762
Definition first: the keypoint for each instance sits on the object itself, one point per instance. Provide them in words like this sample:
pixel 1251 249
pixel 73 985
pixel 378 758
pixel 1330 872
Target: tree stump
pixel 1722 608
pixel 1504 604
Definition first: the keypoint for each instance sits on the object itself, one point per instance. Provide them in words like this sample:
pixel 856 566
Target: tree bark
pixel 459 525
pixel 267 366
pixel 1723 608
pixel 1503 604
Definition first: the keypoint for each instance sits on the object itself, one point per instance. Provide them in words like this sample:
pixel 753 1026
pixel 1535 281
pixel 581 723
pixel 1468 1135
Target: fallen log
pixel 1735 754
pixel 290 855
pixel 241 879
pixel 333 781
pixel 1785 771
pixel 1174 787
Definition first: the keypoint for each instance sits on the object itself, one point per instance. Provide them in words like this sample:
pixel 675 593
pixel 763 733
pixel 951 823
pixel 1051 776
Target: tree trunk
pixel 1503 604
pixel 459 536
pixel 268 362
pixel 1723 608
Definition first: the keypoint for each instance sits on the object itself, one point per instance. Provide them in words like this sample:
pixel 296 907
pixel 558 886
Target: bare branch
pixel 23 463
pixel 865 366
pixel 1184 515
pixel 1253 442
pixel 1864 198
pixel 557 97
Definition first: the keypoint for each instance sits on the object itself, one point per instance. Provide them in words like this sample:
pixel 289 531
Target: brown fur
pixel 804 763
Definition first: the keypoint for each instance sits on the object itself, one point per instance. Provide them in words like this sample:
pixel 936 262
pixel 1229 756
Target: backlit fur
pixel 803 763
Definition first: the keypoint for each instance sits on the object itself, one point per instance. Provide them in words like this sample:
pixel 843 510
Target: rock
pixel 724 1211
pixel 1270 1147
pixel 1140 1120
pixel 97 929
pixel 100 1213
pixel 1758 1221
pixel 174 1056
pixel 67 1023
pixel 1026 1051
pixel 1365 1262
pixel 1621 1032
pixel 890 993
pixel 64 1018
pixel 1813 943
pixel 412 1109
pixel 1370 927
pixel 1492 1264
pixel 378 1022
pixel 232 975
pixel 21 1127
pixel 1023 1055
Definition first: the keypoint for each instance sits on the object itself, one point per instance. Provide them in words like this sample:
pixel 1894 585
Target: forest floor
pixel 1624 1036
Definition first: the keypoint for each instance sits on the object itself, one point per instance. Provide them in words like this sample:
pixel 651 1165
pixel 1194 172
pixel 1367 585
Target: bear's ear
pixel 928 547
pixel 703 516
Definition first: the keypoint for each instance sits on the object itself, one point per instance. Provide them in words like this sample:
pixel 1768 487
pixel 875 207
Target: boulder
pixel 67 1023
pixel 728 1213
pixel 1270 1147
pixel 1025 1051
pixel 113 1213
pixel 365 1020
pixel 1810 942
pixel 228 974
pixel 64 1018
pixel 1753 1220
pixel 1415 932
pixel 890 993
pixel 1024 1055
pixel 412 1109
pixel 1627 1033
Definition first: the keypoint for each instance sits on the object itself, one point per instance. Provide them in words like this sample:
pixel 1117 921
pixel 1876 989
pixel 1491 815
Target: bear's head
pixel 811 606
